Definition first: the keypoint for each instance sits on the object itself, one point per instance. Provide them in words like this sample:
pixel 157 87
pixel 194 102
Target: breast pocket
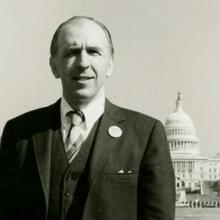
pixel 122 176
pixel 120 190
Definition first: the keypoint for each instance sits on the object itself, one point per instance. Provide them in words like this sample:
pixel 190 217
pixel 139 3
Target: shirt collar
pixel 64 109
pixel 91 112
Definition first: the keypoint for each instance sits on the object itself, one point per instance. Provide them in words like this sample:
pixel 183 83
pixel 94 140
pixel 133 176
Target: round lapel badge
pixel 115 131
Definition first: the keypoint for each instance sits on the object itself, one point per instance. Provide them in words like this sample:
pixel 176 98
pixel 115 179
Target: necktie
pixel 75 135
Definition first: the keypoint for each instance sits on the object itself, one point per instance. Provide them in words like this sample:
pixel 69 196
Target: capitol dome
pixel 180 130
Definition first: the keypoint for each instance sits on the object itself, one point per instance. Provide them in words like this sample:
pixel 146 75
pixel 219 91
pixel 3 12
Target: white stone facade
pixel 191 168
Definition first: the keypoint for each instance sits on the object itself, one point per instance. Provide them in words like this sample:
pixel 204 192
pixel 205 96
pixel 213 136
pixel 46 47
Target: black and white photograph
pixel 110 110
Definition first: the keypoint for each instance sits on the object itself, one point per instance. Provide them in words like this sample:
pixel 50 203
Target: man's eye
pixel 93 52
pixel 72 53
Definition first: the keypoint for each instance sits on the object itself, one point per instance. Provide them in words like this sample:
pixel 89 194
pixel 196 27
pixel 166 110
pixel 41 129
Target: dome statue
pixel 180 130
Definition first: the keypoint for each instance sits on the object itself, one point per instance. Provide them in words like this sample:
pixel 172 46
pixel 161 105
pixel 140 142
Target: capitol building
pixel 194 172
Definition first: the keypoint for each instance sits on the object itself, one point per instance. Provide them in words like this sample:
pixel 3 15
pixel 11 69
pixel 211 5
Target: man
pixel 83 157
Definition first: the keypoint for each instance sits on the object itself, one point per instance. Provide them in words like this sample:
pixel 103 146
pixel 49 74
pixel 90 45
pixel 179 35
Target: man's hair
pixel 54 42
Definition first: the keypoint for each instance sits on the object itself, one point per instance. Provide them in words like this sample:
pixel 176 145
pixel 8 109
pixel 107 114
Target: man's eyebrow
pixel 69 49
pixel 94 48
pixel 78 47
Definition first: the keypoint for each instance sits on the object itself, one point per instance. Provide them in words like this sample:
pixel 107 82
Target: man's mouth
pixel 82 78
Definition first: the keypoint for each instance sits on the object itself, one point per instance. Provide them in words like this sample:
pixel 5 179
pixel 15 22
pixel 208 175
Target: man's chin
pixel 82 96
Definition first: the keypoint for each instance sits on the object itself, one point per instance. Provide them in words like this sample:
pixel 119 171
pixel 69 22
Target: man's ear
pixel 110 69
pixel 54 68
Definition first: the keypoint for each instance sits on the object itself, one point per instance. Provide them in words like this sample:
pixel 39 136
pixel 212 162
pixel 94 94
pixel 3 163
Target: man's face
pixel 83 60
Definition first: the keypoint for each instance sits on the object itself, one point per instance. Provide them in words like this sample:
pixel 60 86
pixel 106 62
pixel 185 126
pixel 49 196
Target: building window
pixel 190 167
pixel 178 166
pixel 183 166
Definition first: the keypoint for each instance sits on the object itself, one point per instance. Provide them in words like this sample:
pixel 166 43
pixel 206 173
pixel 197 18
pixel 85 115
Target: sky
pixel 161 47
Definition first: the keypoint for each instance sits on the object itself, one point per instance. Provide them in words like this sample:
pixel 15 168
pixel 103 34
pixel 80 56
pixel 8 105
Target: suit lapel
pixel 42 146
pixel 105 142
pixel 42 141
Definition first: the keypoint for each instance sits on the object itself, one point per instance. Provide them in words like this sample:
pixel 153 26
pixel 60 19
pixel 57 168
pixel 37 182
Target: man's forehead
pixel 82 29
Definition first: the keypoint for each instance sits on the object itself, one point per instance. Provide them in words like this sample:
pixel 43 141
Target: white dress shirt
pixel 92 112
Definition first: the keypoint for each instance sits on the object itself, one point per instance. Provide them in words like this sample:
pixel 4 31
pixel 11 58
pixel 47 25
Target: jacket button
pixel 68 178
pixel 67 194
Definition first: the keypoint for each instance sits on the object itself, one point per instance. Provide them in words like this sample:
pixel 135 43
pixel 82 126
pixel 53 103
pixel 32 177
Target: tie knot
pixel 77 117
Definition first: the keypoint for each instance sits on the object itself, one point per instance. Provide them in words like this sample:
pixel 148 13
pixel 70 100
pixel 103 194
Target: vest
pixel 68 182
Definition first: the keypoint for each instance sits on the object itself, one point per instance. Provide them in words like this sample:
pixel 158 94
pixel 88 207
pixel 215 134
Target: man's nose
pixel 83 60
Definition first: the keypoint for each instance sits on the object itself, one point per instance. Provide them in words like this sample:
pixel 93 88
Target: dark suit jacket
pixel 144 190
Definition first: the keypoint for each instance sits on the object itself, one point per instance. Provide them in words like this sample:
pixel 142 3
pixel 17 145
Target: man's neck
pixel 77 105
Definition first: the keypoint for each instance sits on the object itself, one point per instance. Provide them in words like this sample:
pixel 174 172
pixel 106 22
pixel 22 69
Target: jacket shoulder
pixel 138 117
pixel 34 120
pixel 138 122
